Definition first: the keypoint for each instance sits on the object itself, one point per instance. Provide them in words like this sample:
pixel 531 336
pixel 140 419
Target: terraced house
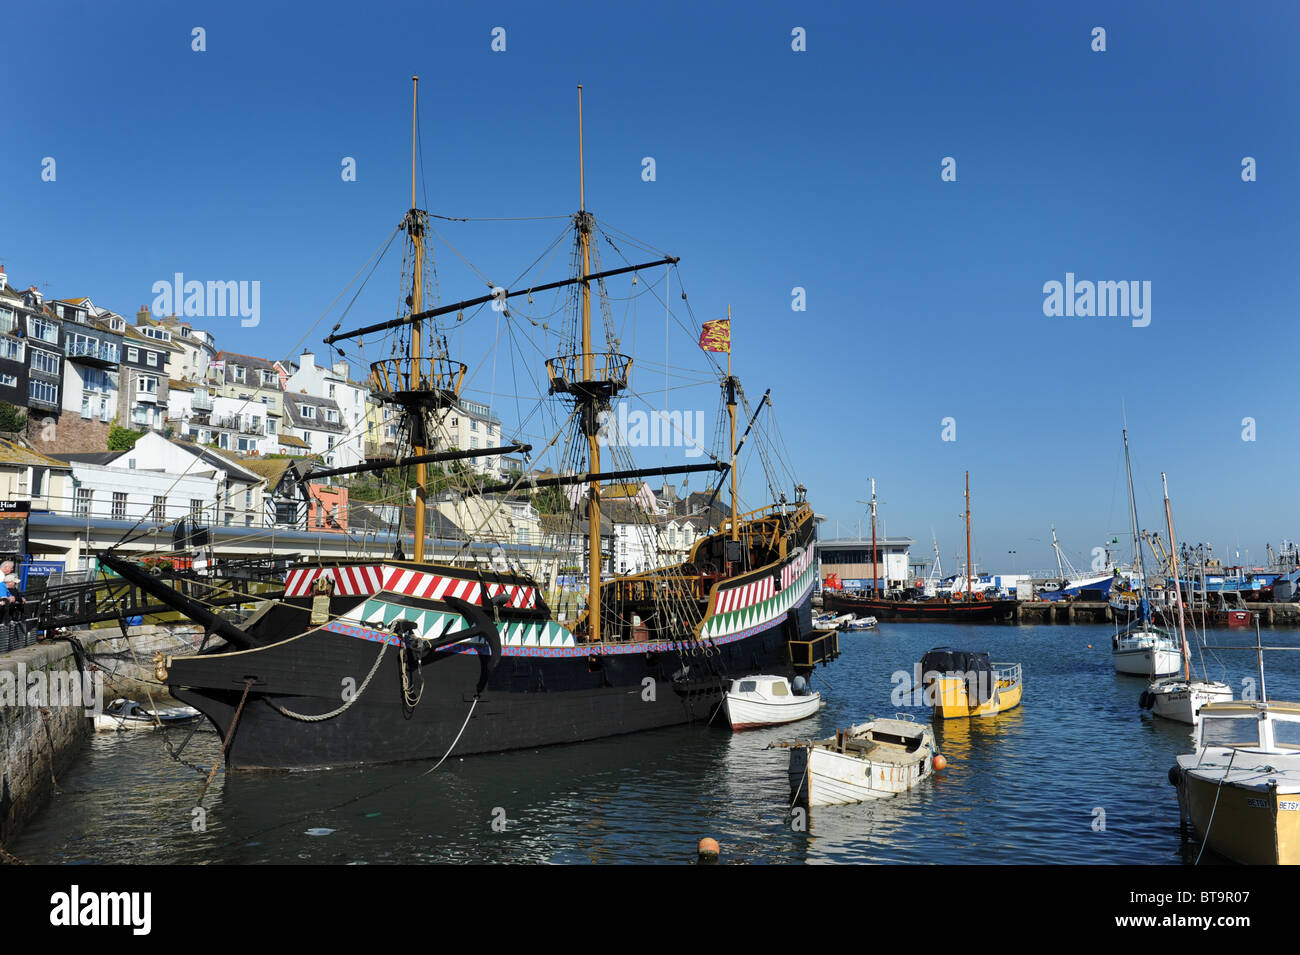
pixel 258 386
pixel 318 422
pixel 147 356
pixel 14 309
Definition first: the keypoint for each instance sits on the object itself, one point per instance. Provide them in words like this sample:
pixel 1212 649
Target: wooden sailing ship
pixel 394 658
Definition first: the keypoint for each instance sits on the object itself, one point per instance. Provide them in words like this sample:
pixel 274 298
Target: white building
pixel 349 397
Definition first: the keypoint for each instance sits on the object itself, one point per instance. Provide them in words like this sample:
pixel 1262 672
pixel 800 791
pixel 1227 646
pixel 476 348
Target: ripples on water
pixel 1020 787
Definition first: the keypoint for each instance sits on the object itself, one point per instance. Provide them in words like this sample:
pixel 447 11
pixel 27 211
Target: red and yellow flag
pixel 716 336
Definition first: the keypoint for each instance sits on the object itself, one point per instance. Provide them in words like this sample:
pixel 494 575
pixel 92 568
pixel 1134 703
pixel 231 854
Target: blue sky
pixel 775 169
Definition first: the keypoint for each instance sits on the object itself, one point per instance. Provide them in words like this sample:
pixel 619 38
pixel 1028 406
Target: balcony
pixel 96 354
pixel 202 401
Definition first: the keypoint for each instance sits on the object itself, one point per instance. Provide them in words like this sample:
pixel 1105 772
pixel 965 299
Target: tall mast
pixel 970 592
pixel 731 411
pixel 1173 557
pixel 875 567
pixel 588 367
pixel 1137 546
pixel 415 375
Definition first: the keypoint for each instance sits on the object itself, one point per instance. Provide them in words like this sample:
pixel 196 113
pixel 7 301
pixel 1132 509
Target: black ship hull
pixel 525 702
pixel 922 611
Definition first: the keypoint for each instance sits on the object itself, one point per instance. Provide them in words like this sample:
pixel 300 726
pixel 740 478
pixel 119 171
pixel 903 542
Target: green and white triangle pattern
pixel 431 623
pixel 720 625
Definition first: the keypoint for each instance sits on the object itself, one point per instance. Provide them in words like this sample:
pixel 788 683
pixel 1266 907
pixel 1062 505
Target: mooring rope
pixel 356 696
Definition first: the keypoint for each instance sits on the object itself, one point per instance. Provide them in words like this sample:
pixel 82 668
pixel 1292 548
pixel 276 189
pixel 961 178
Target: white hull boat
pixel 123 715
pixel 860 623
pixel 873 760
pixel 758 701
pixel 1182 700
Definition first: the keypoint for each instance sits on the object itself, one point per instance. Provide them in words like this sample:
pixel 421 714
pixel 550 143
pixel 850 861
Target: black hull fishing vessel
pixel 966 608
pixel 389 659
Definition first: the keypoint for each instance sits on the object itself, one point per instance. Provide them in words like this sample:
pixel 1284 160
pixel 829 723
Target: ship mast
pixel 415 375
pixel 731 411
pixel 970 592
pixel 588 373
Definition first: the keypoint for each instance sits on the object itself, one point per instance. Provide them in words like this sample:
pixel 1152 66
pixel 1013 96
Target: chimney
pixel 4 279
pixel 142 316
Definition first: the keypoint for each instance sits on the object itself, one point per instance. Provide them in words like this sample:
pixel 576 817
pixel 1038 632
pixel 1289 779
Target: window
pixel 473 425
pixel 45 361
pixel 239 373
pixel 160 507
pixel 43 391
pixel 331 415
pixel 38 481
pixel 9 381
pixel 146 384
pixel 42 330
pixel 196 510
pixel 12 349
pixel 119 505
pixel 248 498
pixel 84 498
pixel 185 332
pixel 133 354
pixel 246 444
pixel 86 410
pixel 151 359
pixel 270 426
pixel 331 389
pixel 473 442
pixel 308 411
pixel 8 322
pixel 158 334
pixel 224 441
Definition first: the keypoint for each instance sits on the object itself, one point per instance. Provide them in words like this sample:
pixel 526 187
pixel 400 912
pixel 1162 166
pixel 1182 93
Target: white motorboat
pixel 873 760
pixel 763 700
pixel 124 714
pixel 860 623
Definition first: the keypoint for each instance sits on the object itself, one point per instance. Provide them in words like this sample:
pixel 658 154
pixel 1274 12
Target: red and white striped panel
pixel 349 581
pixel 519 596
pixel 746 595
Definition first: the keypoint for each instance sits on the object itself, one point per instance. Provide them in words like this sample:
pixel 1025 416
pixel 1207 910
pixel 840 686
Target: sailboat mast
pixel 588 368
pixel 731 411
pixel 1137 547
pixel 1173 557
pixel 970 592
pixel 417 305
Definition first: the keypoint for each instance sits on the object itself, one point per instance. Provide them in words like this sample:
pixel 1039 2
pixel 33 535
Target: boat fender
pixel 1175 774
pixel 1146 701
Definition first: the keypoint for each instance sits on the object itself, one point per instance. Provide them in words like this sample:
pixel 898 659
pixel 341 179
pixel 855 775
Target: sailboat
pixel 968 607
pixel 390 658
pixel 1141 648
pixel 1181 699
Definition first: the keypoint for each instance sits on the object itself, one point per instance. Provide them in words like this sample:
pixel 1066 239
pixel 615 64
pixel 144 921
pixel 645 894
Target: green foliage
pixel 11 418
pixel 551 500
pixel 122 439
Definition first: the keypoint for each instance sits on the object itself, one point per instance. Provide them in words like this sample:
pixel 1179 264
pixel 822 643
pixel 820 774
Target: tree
pixel 122 439
pixel 11 418
pixel 551 500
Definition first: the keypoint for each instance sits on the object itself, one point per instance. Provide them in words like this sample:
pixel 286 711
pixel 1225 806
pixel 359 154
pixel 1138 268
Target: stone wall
pixel 37 742
pixel 69 434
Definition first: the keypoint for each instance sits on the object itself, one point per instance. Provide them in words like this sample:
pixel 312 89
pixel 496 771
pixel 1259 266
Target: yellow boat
pixel 959 683
pixel 1241 788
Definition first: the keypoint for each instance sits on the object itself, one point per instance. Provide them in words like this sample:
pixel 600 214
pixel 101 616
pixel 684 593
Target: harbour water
pixel 1077 774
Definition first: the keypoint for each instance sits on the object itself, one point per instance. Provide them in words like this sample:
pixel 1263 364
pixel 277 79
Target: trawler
pixel 388 658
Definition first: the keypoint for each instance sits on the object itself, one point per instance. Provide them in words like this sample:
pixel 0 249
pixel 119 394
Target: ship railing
pixel 1008 673
pixel 822 647
pixel 609 372
pixel 394 376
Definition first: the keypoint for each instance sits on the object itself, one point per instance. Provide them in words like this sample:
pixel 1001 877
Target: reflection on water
pixel 1028 785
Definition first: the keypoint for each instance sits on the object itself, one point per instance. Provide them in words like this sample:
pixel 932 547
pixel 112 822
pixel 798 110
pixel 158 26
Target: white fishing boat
pixel 764 700
pixel 124 714
pixel 873 760
pixel 829 621
pixel 1181 699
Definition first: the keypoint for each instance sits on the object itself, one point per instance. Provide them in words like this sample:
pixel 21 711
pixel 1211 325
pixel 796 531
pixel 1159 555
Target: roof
pixel 293 441
pixel 13 453
pixel 273 469
pixel 90 457
pixel 213 456
pixel 176 385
